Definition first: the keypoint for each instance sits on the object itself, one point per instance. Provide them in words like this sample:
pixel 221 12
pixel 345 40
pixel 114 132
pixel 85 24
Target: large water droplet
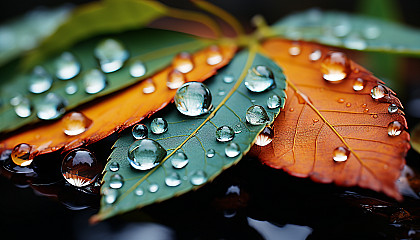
pixel 211 153
pixel 395 128
pixel 114 166
pixel 335 66
pixel 67 66
pixel 175 79
pixel 265 137
pixel 340 154
pixel 392 108
pixel 228 78
pixel 214 55
pixel 224 134
pixel 71 88
pixel 139 191
pixel 193 99
pixel 256 115
pixel 179 160
pixel 110 195
pixel 139 131
pixel 158 126
pixel 23 108
pixel 94 81
pixel 52 106
pixel 371 32
pixel 137 69
pixel 116 181
pixel 173 179
pixel 153 187
pixel 75 123
pixel 198 177
pixel 232 150
pixel 378 92
pixel 149 86
pixel 40 81
pixel 145 154
pixel 183 62
pixel 80 167
pixel 358 84
pixel 111 55
pixel 274 101
pixel 21 155
pixel 259 79
pixel 315 55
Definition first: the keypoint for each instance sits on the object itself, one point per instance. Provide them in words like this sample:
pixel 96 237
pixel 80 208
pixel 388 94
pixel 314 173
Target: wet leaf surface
pixel 332 133
pixel 196 138
pixel 116 112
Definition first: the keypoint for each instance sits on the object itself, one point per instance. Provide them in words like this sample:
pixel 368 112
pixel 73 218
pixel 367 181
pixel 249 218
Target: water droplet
pixel 5 155
pixel 145 154
pixel 116 181
pixel 210 153
pixel 228 78
pixel 291 109
pixel 94 81
pixel 356 70
pixel 358 84
pixel 221 92
pixel 75 123
pixel 392 108
pixel 395 128
pixel 23 108
pixel 315 55
pixel 294 50
pixel 224 134
pixel 114 167
pixel 366 110
pixel 67 66
pixel 21 155
pixel 371 32
pixel 378 92
pixel 335 67
pixel 158 126
pixel 137 69
pixel 375 115
pixel 52 106
pixel 80 167
pixel 71 88
pixel 355 42
pixel 179 160
pixel 173 180
pixel 348 104
pixel 237 128
pixel 364 105
pixel 315 120
pixel 175 79
pixel 274 101
pixel 342 28
pixel 214 56
pixel 340 154
pixel 265 137
pixel 198 177
pixel 149 86
pixel 139 191
pixel 111 55
pixel 40 81
pixel 340 100
pixel 153 187
pixel 139 131
pixel 259 79
pixel 232 150
pixel 183 62
pixel 110 195
pixel 256 115
pixel 193 99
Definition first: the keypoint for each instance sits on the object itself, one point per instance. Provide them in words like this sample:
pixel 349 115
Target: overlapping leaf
pixel 320 116
pixel 195 136
pixel 349 31
pixel 117 111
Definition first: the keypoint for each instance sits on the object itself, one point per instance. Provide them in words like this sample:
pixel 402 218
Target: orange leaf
pixel 115 112
pixel 320 116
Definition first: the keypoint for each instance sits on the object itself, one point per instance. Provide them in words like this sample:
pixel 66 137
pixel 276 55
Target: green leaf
pixel 155 48
pixel 108 16
pixel 349 31
pixel 194 136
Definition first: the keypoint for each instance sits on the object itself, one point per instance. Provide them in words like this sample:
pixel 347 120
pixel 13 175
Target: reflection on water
pixel 272 232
